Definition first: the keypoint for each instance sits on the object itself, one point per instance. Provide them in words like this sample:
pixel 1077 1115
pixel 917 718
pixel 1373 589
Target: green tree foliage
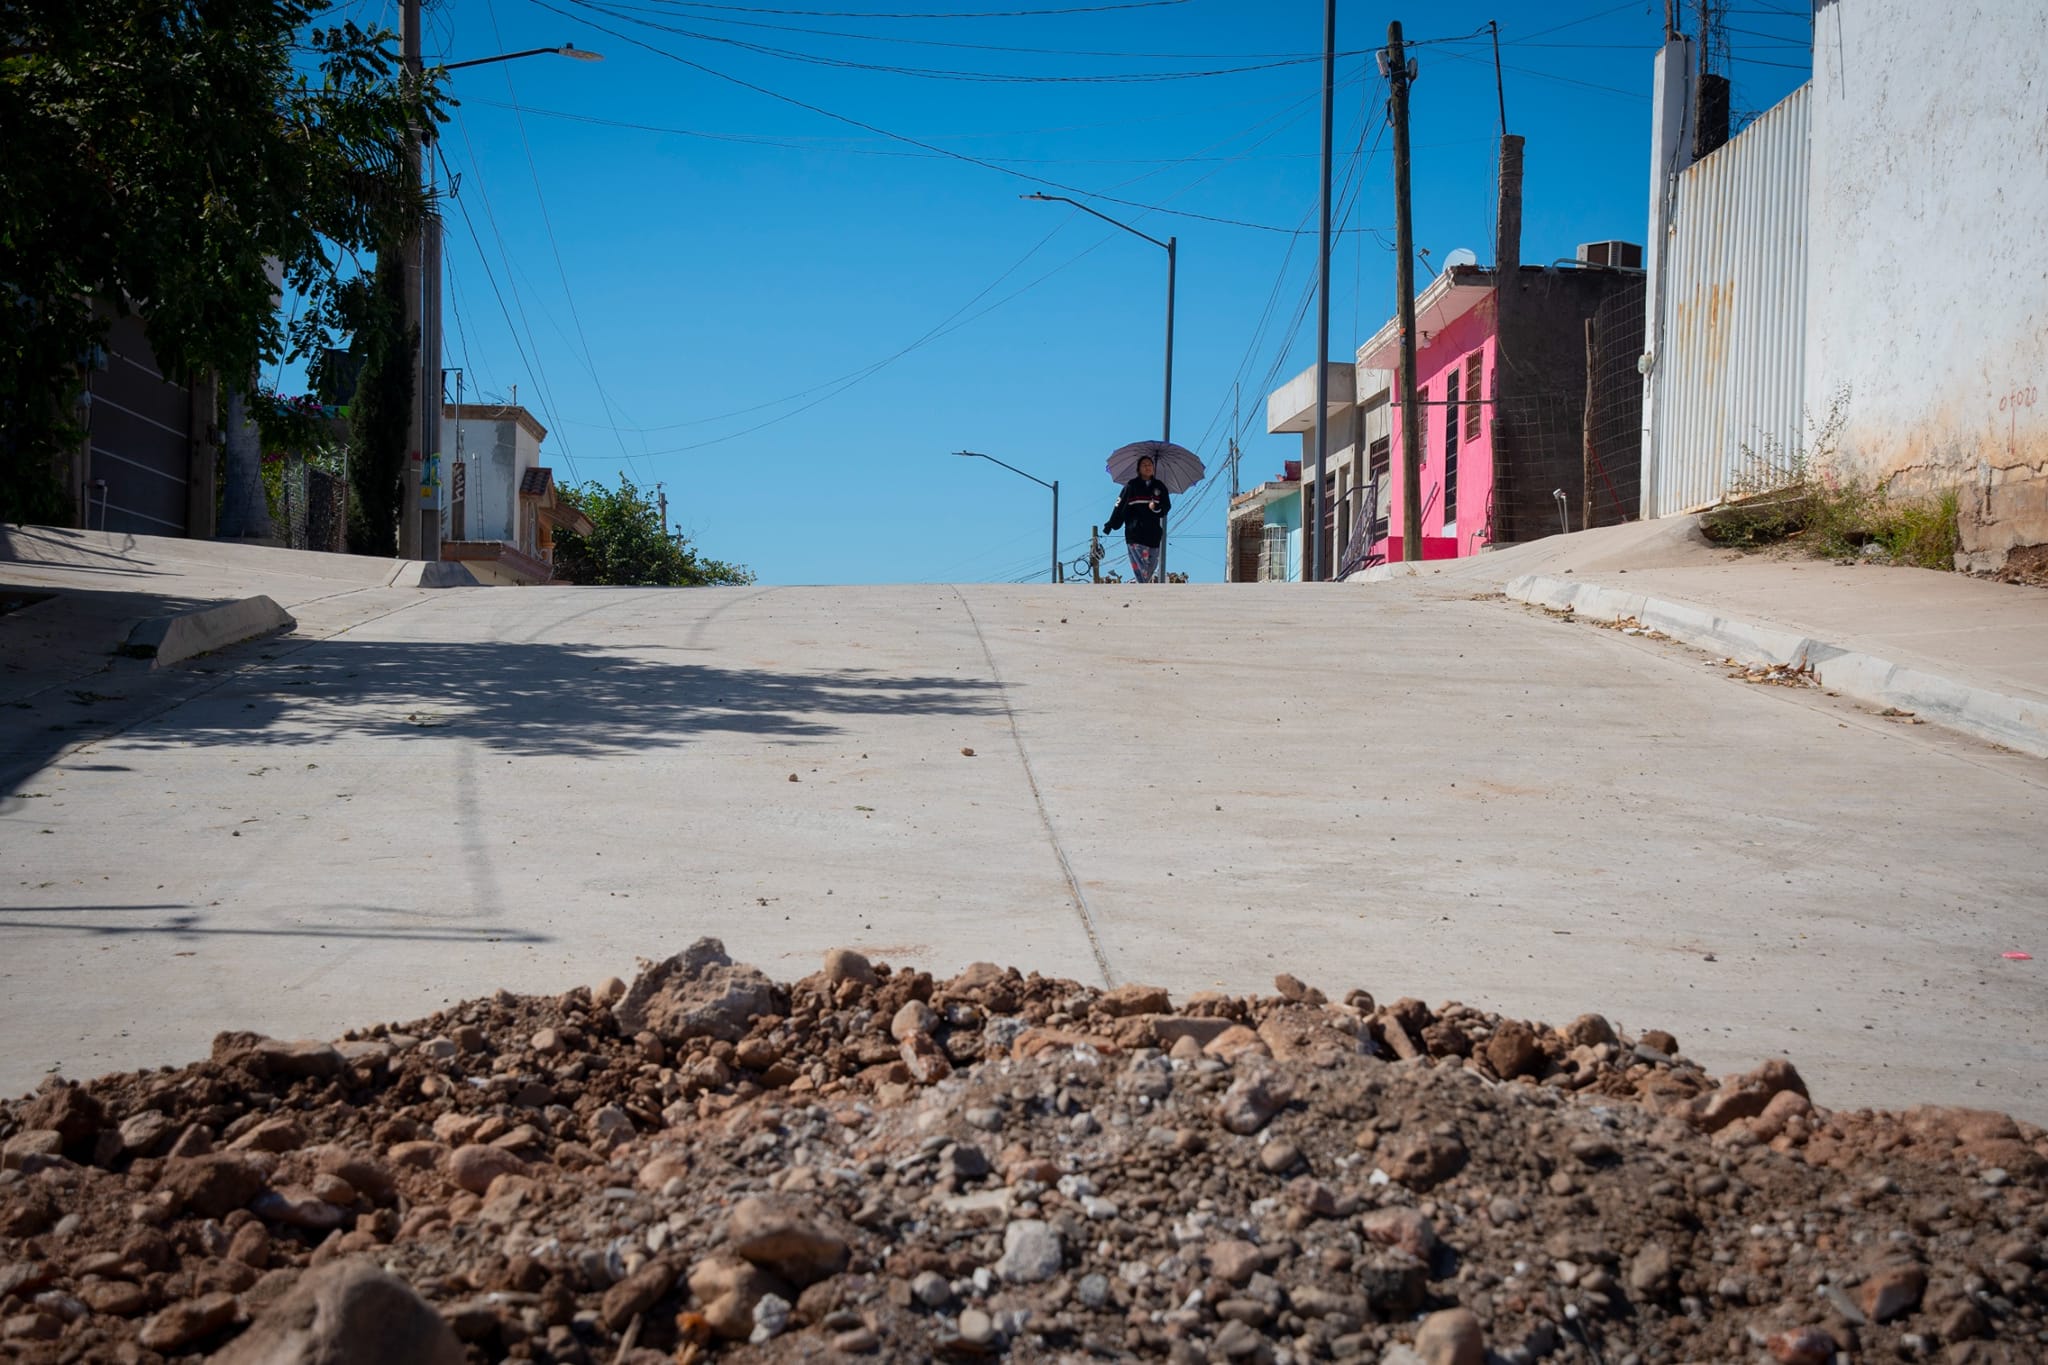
pixel 629 547
pixel 382 409
pixel 157 154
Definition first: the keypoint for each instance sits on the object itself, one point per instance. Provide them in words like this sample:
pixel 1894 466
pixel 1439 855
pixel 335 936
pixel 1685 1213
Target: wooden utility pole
pixel 1399 74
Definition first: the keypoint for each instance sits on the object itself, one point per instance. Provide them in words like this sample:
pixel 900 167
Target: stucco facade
pixel 1927 299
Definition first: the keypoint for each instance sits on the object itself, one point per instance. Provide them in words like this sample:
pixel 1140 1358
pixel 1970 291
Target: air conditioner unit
pixel 1621 255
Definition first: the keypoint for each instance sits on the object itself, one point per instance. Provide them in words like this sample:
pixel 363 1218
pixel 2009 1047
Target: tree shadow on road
pixel 540 699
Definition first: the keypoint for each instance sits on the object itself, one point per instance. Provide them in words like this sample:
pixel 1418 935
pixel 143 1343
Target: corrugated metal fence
pixel 1730 361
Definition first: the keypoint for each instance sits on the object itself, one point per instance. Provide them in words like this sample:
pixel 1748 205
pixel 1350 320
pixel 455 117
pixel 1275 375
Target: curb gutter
pixel 166 640
pixel 2015 722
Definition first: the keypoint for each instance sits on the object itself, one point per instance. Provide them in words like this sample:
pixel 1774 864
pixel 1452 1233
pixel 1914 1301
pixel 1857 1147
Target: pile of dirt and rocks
pixel 875 1163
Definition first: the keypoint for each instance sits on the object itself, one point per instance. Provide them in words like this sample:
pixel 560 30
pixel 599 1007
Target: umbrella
pixel 1175 466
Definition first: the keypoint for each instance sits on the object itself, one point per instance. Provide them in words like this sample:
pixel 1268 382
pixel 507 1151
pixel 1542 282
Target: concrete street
pixel 1418 788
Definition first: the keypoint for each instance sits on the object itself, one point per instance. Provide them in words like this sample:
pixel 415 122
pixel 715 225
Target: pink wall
pixel 1475 331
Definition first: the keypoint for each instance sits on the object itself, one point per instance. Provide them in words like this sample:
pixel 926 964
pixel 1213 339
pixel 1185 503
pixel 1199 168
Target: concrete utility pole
pixel 1401 71
pixel 409 250
pixel 1318 570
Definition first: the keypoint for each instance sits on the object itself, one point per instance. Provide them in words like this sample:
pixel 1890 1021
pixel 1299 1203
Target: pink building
pixel 1502 382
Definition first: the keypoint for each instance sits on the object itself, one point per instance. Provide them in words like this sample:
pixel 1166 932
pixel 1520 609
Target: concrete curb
pixel 431 573
pixel 2015 722
pixel 166 640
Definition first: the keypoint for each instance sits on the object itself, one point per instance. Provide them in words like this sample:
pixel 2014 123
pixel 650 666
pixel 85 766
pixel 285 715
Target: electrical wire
pixel 546 391
pixel 970 14
pixel 554 245
pixel 982 162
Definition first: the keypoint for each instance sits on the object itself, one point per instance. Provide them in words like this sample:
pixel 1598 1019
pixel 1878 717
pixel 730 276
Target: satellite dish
pixel 1464 255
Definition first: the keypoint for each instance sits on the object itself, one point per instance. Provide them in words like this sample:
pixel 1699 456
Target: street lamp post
pixel 1054 486
pixel 1171 247
pixel 419 522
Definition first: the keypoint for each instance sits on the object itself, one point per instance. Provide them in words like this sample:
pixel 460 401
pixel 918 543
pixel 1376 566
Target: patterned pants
pixel 1144 562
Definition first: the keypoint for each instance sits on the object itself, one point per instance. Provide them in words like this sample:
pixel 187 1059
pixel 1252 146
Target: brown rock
pixel 1399 1226
pixel 844 964
pixel 1451 1337
pixel 1590 1030
pixel 1660 1040
pixel 298 1208
pixel 1801 1346
pixel 416 1155
pixel 1125 1001
pixel 728 1288
pixel 475 1166
pixel 638 1292
pixel 115 1298
pixel 211 1186
pixel 29 1143
pixel 1251 1102
pixel 785 1240
pixel 1420 1160
pixel 914 1020
pixel 1235 1043
pixel 67 1110
pixel 1514 1050
pixel 184 1323
pixel 1234 1261
pixel 251 1246
pixel 271 1135
pixel 347 1312
pixel 698 993
pixel 1892 1291
pixel 369 1176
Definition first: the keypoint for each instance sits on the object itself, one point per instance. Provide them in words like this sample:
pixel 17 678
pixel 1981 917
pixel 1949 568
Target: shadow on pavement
pixel 538 699
pixel 189 924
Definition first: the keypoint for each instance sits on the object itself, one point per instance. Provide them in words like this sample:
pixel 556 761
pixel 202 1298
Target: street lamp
pixel 569 50
pixel 1054 486
pixel 1172 253
pixel 419 523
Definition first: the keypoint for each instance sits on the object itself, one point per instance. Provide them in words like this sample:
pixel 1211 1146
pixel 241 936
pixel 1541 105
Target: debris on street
pixel 876 1164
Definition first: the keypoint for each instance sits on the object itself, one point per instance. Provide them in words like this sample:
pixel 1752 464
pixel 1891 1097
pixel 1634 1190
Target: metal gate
pixel 1729 351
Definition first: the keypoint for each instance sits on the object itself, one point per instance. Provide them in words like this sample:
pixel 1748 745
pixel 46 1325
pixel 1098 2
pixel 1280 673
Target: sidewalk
pixel 80 594
pixel 1964 652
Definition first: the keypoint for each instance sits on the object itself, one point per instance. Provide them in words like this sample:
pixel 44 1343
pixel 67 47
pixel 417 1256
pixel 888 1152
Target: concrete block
pixel 431 573
pixel 173 639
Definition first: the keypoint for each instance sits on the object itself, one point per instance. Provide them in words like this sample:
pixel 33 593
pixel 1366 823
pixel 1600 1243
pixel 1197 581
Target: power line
pixel 970 14
pixel 851 122
pixel 547 223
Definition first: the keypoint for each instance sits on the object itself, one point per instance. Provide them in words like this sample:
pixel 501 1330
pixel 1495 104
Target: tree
pixel 629 547
pixel 383 406
pixel 158 154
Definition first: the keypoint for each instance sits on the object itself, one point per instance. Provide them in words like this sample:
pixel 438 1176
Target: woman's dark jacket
pixel 1143 525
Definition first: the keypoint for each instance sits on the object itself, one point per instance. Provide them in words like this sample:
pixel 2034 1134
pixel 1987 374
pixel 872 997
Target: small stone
pixel 858 1341
pixel 1234 1261
pixel 777 1236
pixel 1801 1346
pixel 1650 1273
pixel 115 1298
pixel 1279 1156
pixel 251 1246
pixel 298 1208
pixel 1125 1001
pixel 844 964
pixel 977 1328
pixel 637 1293
pixel 184 1323
pixel 1451 1337
pixel 346 1312
pixel 1238 1341
pixel 1031 1252
pixel 547 1041
pixel 1399 1226
pixel 271 1135
pixel 211 1186
pixel 931 1289
pixel 914 1019
pixel 771 1317
pixel 1892 1291
pixel 1093 1291
pixel 475 1166
pixel 1661 1041
pixel 140 1133
pixel 1513 1050
pixel 32 1142
pixel 1250 1104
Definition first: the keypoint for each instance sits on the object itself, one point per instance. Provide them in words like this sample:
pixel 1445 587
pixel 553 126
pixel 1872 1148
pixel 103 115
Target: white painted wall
pixel 498 451
pixel 1928 283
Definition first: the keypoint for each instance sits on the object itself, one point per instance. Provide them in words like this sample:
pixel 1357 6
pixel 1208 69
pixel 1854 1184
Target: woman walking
pixel 1141 510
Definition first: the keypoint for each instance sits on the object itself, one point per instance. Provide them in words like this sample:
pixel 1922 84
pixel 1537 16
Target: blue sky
pixel 790 321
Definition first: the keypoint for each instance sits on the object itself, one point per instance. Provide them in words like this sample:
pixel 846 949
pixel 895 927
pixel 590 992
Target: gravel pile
pixel 875 1164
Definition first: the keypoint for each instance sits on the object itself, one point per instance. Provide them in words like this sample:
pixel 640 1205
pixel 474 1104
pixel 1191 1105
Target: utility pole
pixel 1318 570
pixel 409 250
pixel 1401 71
pixel 661 492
